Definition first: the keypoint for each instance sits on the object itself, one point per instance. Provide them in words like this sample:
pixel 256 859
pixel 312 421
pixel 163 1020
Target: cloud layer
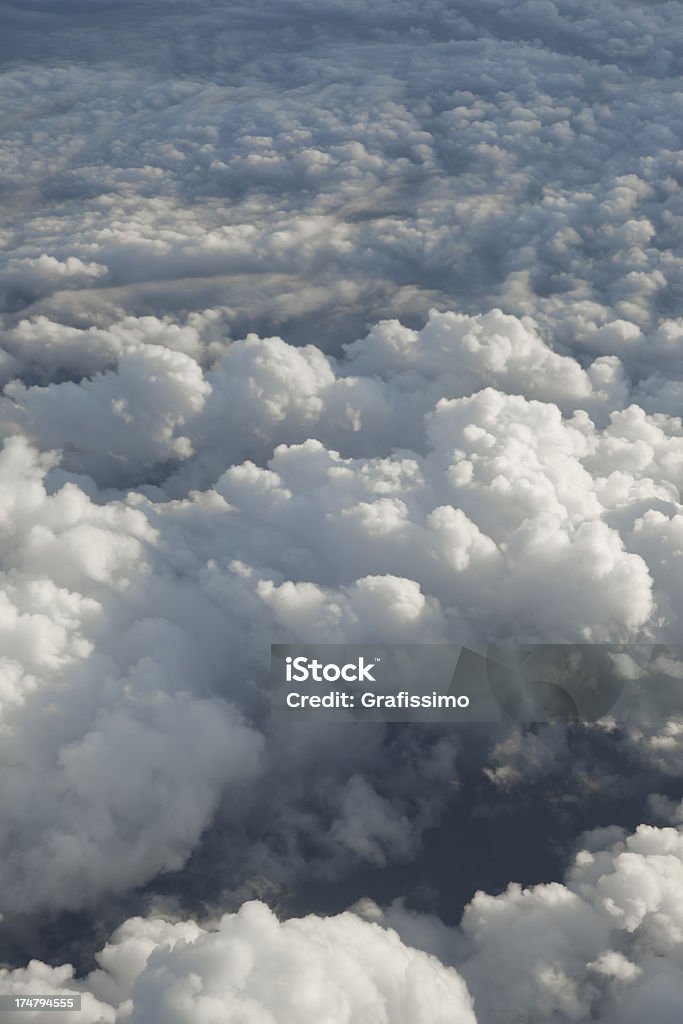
pixel 134 618
pixel 335 166
pixel 333 322
pixel 603 946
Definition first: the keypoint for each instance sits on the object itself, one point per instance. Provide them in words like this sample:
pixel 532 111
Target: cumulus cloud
pixel 603 945
pixel 420 453
pixel 249 967
pixel 411 501
pixel 134 700
pixel 343 322
pixel 481 163
pixel 112 764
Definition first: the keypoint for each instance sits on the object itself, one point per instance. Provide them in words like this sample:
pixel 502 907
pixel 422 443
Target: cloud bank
pixel 603 946
pixel 332 322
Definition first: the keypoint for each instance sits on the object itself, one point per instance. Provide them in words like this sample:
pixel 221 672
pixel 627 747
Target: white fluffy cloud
pixel 113 761
pixel 370 160
pixel 133 696
pixel 347 322
pixel 250 968
pixel 411 501
pixel 458 457
pixel 605 945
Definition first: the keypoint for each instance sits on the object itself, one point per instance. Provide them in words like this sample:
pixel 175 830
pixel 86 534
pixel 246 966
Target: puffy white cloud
pixel 251 968
pixel 605 945
pixel 135 415
pixel 228 229
pixel 372 159
pixel 134 694
pixel 489 484
pixel 446 510
pixel 114 761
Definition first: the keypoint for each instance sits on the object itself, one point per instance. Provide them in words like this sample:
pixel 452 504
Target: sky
pixel 336 322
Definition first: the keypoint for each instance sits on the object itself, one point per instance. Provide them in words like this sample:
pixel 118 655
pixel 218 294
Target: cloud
pixel 78 691
pixel 129 627
pixel 446 510
pixel 347 322
pixel 490 170
pixel 250 967
pixel 481 477
pixel 603 945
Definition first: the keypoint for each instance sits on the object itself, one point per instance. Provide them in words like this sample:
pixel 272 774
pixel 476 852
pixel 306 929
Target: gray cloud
pixel 482 162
